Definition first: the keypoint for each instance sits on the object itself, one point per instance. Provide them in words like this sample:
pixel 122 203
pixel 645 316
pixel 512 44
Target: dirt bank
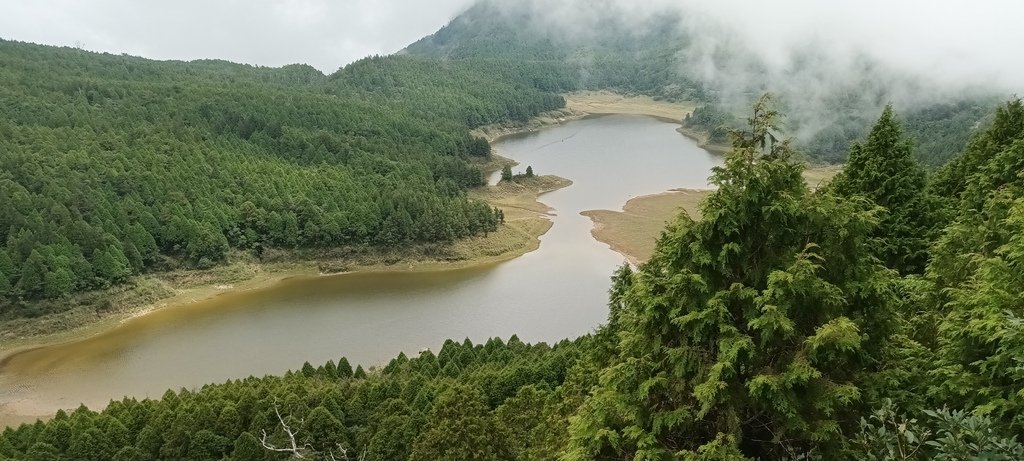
pixel 634 230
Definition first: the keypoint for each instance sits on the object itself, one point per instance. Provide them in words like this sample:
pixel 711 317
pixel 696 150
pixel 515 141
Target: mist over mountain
pixel 831 83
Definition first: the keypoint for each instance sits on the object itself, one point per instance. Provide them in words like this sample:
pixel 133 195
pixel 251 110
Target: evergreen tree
pixel 884 170
pixel 344 368
pixel 33 274
pixel 529 171
pixel 506 173
pixel 8 278
pixel 749 331
pixel 460 428
pixel 976 277
pixel 324 432
pixel 974 168
pixel 58 283
pixel 42 452
pixel 248 448
pixel 111 264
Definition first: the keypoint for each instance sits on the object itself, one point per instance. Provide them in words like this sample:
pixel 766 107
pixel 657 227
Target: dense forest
pixel 116 165
pixel 876 318
pixel 676 54
pixel 880 317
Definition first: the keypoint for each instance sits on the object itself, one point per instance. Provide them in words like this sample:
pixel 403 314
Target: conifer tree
pixel 976 276
pixel 460 428
pixel 749 331
pixel 33 274
pixel 884 170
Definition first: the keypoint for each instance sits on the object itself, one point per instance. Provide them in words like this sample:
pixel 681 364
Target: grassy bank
pixel 634 230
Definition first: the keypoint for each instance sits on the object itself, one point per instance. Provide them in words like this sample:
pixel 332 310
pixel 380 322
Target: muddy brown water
pixel 556 292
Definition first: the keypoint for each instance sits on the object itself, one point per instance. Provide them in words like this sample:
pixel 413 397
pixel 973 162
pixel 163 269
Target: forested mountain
pixel 677 53
pixel 880 317
pixel 779 326
pixel 111 165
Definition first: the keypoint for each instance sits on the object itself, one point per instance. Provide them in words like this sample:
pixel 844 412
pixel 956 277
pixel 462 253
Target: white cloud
pixel 952 41
pixel 326 34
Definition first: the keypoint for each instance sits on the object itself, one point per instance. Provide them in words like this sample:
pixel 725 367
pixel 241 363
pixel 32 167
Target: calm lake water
pixel 556 292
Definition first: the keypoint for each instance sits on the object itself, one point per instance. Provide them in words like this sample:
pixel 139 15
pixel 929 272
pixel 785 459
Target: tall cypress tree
pixel 883 169
pixel 748 333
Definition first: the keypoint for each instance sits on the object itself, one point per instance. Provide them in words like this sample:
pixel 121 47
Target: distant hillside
pixel 673 55
pixel 117 165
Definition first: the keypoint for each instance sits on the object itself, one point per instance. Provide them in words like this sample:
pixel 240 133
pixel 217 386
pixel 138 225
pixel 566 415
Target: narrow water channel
pixel 556 292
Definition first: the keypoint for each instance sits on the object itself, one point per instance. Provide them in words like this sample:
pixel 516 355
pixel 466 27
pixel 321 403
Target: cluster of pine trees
pixel 879 317
pixel 482 401
pixel 115 165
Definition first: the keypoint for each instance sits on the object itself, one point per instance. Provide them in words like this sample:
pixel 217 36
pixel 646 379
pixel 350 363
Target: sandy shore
pixel 590 103
pixel 634 230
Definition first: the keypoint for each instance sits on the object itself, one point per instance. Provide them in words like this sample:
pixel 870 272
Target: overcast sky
pixel 326 34
pixel 975 40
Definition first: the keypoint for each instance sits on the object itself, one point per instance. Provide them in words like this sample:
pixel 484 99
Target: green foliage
pixel 884 170
pixel 113 162
pixel 749 331
pixel 460 427
pixel 987 163
pixel 408 411
pixel 713 121
pixel 944 435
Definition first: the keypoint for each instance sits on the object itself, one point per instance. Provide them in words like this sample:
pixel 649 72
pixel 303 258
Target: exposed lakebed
pixel 556 292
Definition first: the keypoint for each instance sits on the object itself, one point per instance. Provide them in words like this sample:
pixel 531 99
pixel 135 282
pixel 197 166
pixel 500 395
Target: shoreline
pixel 583 104
pixel 633 230
pixel 520 235
pixel 526 221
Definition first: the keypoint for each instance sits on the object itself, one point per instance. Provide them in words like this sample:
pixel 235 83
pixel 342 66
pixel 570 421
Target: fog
pixel 949 42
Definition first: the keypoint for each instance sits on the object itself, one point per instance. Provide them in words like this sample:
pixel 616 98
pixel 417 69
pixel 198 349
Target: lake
pixel 556 292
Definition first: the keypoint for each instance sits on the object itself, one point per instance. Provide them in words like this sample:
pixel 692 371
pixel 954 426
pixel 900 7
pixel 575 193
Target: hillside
pixel 879 316
pixel 673 53
pixel 720 340
pixel 116 165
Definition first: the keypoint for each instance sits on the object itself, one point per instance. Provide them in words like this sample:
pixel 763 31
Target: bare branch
pixel 296 451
